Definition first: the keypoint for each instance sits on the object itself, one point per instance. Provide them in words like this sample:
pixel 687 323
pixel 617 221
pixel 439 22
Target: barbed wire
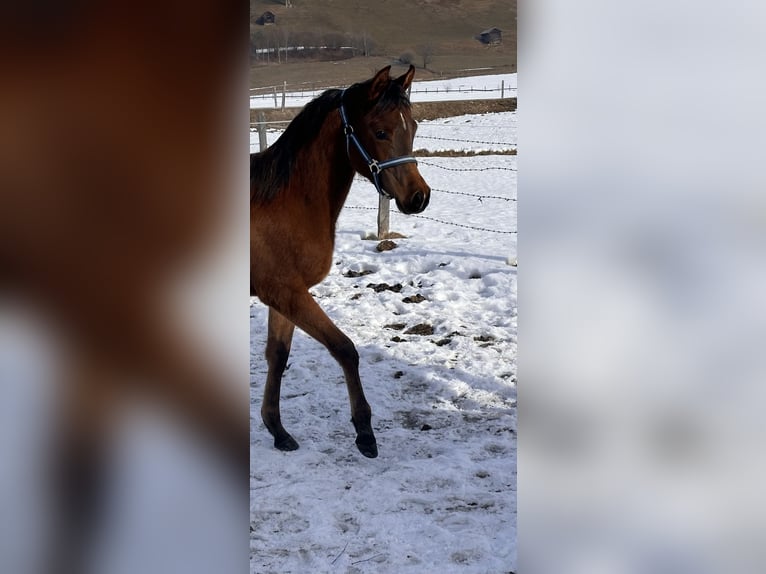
pixel 428 125
pixel 463 225
pixel 360 179
pixel 464 141
pixel 422 124
pixel 497 167
pixel 282 122
pixel 480 197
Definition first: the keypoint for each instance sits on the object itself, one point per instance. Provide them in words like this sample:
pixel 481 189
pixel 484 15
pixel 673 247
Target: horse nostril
pixel 418 199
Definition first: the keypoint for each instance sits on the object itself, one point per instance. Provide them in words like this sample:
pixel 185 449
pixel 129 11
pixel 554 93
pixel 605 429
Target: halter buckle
pixel 374 167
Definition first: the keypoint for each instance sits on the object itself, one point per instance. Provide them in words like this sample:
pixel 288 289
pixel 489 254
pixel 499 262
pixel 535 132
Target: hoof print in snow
pixel 426 427
pixel 442 342
pixel 395 326
pixel 420 329
pixel 414 299
pixel 475 275
pixel 355 297
pixel 398 339
pixel 378 287
pixel 351 273
pixel 386 245
pixel 398 374
pixel 484 338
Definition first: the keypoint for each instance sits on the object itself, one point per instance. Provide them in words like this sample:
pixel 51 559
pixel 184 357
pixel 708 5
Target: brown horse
pixel 297 190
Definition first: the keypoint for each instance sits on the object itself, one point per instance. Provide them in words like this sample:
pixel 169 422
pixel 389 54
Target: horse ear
pixel 379 83
pixel 406 79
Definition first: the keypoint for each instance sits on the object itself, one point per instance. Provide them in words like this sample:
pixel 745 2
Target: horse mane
pixel 270 169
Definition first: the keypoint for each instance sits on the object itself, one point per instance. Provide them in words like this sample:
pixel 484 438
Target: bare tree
pixel 334 40
pixel 368 44
pixel 286 41
pixel 256 43
pixel 407 58
pixel 426 52
pixel 275 38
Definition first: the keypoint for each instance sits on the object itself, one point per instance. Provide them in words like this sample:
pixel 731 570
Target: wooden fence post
pixel 384 205
pixel 275 97
pixel 262 131
pixel 284 89
pixel 384 208
pixel 502 89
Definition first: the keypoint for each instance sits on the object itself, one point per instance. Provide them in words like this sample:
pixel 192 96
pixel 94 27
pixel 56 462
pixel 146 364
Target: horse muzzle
pixel 416 202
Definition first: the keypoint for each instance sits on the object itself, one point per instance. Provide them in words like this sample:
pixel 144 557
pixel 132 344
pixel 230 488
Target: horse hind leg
pixel 308 315
pixel 277 352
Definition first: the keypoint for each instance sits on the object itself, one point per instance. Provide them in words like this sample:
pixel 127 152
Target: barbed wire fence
pixel 261 128
pixel 419 216
pixel 488 168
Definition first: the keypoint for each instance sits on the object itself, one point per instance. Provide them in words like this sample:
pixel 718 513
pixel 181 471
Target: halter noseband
pixel 374 165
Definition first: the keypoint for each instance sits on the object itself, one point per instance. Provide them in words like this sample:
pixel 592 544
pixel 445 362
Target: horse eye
pixel 381 135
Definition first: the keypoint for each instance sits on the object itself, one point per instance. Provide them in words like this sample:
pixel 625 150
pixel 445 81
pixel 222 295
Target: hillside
pixel 375 34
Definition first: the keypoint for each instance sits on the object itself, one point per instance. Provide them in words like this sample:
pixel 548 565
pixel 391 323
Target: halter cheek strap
pixel 374 165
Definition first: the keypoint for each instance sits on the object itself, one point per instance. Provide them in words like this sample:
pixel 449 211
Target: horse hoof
pixel 367 446
pixel 287 443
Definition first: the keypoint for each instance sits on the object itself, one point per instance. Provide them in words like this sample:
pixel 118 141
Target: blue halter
pixel 374 165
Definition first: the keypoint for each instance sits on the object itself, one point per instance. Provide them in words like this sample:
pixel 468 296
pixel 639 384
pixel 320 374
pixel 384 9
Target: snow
pixel 436 499
pixel 474 132
pixel 465 88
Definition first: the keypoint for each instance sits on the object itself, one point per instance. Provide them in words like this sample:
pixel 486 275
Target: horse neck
pixel 325 167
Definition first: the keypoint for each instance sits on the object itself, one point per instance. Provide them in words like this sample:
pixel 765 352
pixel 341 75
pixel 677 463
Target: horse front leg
pixel 308 316
pixel 277 352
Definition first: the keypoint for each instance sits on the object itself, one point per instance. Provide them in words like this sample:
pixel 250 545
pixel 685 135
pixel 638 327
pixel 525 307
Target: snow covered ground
pixel 474 132
pixel 441 497
pixel 468 88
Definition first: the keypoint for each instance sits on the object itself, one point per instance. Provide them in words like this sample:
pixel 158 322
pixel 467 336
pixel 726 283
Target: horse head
pixel 381 119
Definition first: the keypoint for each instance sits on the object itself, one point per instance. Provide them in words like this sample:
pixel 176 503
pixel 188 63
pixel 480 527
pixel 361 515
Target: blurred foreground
pixel 123 298
pixel 642 261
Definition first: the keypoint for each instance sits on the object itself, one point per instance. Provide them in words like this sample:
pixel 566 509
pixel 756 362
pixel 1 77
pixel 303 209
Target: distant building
pixel 266 18
pixel 491 37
